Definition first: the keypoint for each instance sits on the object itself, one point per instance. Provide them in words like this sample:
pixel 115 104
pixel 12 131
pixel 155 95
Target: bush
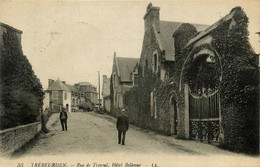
pixel 87 106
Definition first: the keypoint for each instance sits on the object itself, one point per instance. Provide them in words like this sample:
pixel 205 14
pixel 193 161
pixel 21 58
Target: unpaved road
pixel 95 133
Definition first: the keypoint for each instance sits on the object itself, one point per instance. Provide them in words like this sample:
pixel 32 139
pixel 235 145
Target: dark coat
pixel 66 116
pixel 122 123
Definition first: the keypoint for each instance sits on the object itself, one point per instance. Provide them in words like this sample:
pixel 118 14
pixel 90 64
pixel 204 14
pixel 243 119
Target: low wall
pixel 13 138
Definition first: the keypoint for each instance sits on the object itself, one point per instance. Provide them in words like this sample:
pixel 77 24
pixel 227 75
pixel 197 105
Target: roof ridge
pixel 184 22
pixel 129 57
pixel 212 27
pixel 60 84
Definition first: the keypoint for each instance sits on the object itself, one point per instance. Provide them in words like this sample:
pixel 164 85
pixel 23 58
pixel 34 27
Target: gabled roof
pixel 214 26
pixel 58 85
pixel 164 36
pixel 125 66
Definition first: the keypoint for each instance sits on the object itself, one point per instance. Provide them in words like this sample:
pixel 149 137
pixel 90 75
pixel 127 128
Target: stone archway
pixel 201 74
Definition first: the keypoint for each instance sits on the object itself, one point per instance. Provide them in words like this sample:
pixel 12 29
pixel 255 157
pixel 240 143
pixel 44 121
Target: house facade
pixel 158 51
pixel 157 65
pixel 121 80
pixel 60 94
pixel 89 90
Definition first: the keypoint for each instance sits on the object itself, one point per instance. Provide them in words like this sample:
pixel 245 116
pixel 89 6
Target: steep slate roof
pixel 164 37
pixel 85 83
pixel 125 66
pixel 58 85
pixel 72 88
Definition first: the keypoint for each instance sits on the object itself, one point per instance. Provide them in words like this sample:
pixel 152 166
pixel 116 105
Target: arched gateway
pixel 202 74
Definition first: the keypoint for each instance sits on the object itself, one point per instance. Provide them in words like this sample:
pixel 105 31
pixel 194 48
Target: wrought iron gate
pixel 204 117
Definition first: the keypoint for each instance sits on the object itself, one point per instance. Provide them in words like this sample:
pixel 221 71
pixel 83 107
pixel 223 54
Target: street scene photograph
pixel 129 83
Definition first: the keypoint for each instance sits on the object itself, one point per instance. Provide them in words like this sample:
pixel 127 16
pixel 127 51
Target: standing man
pixel 63 118
pixel 122 125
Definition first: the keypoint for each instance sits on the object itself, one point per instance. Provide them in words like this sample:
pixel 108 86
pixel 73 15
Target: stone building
pixel 158 49
pixel 198 82
pixel 106 93
pixel 59 94
pixel 89 90
pixel 158 60
pixel 121 80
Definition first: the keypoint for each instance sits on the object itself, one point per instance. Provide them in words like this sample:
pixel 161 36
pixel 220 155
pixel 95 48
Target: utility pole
pixel 99 90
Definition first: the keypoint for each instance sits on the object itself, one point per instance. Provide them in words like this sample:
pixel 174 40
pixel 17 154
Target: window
pixel 153 104
pixel 54 95
pixel 114 80
pixel 155 61
pixel 65 96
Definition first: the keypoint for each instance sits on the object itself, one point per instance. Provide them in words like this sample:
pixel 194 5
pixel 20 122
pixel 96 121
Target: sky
pixel 73 40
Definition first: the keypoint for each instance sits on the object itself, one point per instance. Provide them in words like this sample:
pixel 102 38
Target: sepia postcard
pixel 129 83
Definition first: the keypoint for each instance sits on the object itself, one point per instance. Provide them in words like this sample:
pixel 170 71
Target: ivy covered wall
pixel 238 81
pixel 21 95
pixel 239 86
pixel 234 73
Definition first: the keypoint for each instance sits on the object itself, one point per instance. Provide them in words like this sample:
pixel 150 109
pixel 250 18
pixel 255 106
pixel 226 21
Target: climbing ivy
pixel 21 90
pixel 238 85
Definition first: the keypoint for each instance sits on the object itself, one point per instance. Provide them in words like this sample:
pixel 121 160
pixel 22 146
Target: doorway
pixel 173 117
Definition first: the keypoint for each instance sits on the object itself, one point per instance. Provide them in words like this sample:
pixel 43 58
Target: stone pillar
pixel 221 132
pixel 186 112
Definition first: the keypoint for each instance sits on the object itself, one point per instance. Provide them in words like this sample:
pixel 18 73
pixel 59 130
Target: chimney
pixel 152 16
pixel 114 54
pixel 50 82
pixel 64 82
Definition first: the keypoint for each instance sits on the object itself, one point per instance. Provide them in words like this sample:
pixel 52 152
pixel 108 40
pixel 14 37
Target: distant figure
pixel 63 119
pixel 122 125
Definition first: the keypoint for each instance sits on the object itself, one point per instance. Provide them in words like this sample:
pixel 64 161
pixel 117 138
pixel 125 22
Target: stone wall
pixel 4 28
pixel 13 138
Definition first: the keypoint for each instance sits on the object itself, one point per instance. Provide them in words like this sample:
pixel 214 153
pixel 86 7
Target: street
pixel 95 133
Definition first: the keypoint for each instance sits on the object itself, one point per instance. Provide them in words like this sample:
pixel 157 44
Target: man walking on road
pixel 122 125
pixel 63 119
